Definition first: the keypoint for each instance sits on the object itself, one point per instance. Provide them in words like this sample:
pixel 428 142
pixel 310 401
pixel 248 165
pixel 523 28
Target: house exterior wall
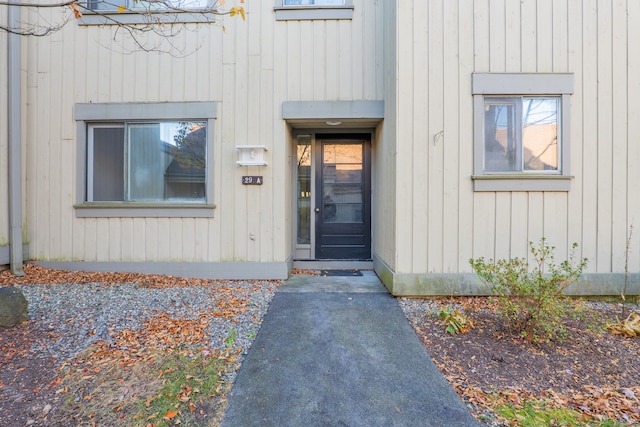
pixel 441 222
pixel 249 71
pixel 4 149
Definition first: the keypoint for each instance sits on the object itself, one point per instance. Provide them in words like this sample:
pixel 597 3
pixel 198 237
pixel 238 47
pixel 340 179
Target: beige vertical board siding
pixel 450 140
pixel 518 246
pixel 227 204
pixel 419 159
pixel 139 236
pixel 497 35
pixel 575 58
pixel 332 65
pixel 116 238
pixel 201 241
pixel 528 12
pixel 4 140
pixel 560 32
pixel 605 142
pixel 503 227
pixel 29 53
pixel 294 58
pixel 266 118
pixel 241 123
pixel 152 231
pixel 302 66
pixel 484 209
pixel 127 240
pixel 465 115
pixel 91 237
pixel 176 236
pixel 384 160
pixel 535 217
pixel 589 72
pixel 319 61
pixel 68 150
pixel 633 148
pixel 45 246
pixel 438 94
pixel 345 60
pixel 484 225
pixel 544 19
pixel 481 37
pixel 619 139
pixel 555 222
pixel 513 33
pixel 165 239
pixel 357 77
pixel 57 161
pixel 406 140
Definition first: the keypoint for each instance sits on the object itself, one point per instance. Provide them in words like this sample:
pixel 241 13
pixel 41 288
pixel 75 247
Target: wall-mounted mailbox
pixel 251 155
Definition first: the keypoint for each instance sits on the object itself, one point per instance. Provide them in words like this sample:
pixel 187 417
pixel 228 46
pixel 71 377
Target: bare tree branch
pixel 158 17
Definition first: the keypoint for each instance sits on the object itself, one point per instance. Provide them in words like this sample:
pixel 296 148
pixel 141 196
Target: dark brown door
pixel 343 197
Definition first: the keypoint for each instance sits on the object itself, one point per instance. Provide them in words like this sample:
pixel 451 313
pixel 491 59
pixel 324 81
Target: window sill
pixel 304 13
pixel 143 210
pixel 134 18
pixel 521 182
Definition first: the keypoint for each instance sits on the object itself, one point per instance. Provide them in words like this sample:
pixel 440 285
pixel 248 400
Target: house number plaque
pixel 252 180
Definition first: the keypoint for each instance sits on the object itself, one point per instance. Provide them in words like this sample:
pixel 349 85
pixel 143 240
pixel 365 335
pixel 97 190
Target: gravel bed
pixel 78 315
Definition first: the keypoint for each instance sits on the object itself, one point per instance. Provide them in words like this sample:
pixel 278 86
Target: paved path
pixel 338 351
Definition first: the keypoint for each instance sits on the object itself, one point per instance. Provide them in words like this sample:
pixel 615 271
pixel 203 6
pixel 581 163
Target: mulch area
pixel 593 371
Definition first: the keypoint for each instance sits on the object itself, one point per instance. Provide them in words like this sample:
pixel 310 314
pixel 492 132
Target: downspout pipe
pixel 15 149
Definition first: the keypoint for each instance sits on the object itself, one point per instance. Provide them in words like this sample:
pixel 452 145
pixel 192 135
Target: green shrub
pixel 531 299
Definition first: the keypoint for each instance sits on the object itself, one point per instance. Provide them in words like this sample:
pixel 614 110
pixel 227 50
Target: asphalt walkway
pixel 338 351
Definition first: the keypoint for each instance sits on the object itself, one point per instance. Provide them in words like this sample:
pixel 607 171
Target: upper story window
pixel 115 5
pixel 131 12
pixel 145 159
pixel 287 10
pixel 521 131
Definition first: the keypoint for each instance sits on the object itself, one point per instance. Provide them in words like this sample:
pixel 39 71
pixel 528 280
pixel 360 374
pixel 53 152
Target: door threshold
pixel 327 264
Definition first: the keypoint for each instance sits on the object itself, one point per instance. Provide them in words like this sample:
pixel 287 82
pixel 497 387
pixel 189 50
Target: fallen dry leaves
pixel 593 371
pixel 110 376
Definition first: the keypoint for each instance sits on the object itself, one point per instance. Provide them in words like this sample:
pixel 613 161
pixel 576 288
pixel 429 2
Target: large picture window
pixel 521 131
pixel 161 161
pixel 149 159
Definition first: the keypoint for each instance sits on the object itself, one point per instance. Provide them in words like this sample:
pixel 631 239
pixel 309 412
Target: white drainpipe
pixel 15 154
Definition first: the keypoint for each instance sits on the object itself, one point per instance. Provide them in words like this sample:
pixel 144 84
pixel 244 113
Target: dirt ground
pixel 592 370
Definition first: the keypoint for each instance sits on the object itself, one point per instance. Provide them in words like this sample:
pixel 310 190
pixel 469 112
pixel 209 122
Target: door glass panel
pixel 342 183
pixel 304 189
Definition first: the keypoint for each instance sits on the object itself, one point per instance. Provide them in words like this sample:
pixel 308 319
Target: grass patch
pixel 160 389
pixel 535 413
pixel 188 382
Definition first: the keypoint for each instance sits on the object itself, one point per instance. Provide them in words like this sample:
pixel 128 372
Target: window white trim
pixel 107 113
pixel 310 12
pixel 510 84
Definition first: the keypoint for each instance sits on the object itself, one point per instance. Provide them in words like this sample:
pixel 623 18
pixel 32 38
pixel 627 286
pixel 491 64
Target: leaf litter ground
pixel 162 373
pixel 593 371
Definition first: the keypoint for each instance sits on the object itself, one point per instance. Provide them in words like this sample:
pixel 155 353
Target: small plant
pixel 231 337
pixel 454 321
pixel 531 298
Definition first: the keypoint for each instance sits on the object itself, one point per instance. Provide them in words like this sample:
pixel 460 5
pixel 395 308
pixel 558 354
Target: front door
pixel 343 197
